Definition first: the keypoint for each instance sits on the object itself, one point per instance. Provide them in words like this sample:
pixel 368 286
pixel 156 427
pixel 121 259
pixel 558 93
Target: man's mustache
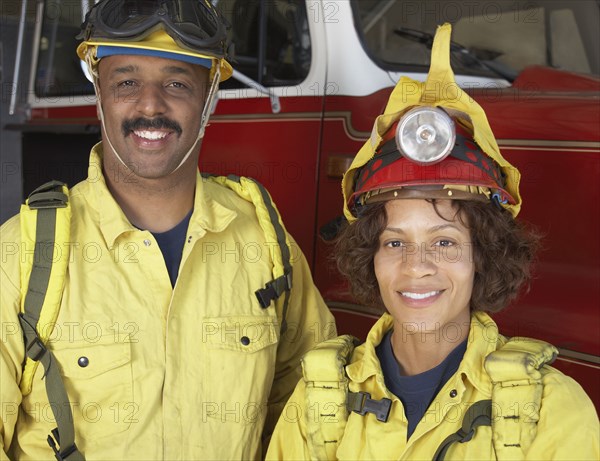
pixel 156 123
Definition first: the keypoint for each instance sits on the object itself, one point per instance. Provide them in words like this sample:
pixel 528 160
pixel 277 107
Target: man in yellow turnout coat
pixel 164 349
pixel 432 239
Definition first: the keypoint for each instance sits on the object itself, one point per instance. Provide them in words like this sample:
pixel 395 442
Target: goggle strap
pixel 101 113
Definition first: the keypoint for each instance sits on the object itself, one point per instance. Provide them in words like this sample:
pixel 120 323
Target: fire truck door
pixel 267 123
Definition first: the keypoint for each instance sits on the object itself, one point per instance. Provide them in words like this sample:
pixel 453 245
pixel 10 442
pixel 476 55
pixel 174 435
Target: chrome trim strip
pixel 508 143
pixel 18 55
pixel 567 355
pixel 355 309
pixel 31 96
pixel 346 118
pixel 576 357
pixel 290 116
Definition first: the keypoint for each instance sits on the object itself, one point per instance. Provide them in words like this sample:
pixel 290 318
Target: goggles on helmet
pixel 195 25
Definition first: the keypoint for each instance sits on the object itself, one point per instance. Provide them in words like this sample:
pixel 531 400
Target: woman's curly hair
pixel 504 250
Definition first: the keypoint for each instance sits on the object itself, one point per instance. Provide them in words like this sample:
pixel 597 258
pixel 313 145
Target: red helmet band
pixel 466 165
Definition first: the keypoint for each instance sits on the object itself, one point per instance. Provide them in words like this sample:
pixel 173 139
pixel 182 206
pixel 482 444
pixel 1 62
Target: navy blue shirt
pixel 171 245
pixel 416 392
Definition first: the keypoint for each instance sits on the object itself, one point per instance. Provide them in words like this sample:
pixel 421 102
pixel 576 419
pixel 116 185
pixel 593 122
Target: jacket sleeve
pixel 309 322
pixel 11 345
pixel 289 439
pixel 568 427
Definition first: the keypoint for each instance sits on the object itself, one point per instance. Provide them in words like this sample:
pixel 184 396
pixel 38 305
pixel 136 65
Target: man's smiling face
pixel 152 110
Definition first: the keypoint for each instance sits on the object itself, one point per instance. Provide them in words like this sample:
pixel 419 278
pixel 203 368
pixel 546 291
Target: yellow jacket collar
pixel 482 340
pixel 111 218
pixel 365 362
pixel 208 215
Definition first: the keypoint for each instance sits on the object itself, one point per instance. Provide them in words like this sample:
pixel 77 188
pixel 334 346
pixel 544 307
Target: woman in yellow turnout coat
pixel 432 238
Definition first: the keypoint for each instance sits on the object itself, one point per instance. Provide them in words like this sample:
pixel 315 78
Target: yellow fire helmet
pixel 432 141
pixel 186 30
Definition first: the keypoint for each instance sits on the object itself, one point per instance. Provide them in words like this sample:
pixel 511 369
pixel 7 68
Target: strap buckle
pixel 54 442
pixel 274 289
pixel 266 295
pixel 36 350
pixel 362 403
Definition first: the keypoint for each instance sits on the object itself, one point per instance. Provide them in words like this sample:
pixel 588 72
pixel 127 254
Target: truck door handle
pixel 338 164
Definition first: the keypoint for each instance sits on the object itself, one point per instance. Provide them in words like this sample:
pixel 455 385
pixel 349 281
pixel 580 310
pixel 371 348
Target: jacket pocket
pixel 240 357
pixel 99 382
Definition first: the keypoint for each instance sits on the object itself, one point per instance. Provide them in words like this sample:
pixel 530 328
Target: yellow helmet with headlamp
pixel 432 141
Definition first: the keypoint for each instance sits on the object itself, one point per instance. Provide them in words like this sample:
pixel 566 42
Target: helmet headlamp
pixel 425 135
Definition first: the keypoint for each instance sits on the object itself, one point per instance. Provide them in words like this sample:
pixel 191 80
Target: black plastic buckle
pixel 288 281
pixel 380 408
pixel 266 295
pixel 41 349
pixel 54 442
pixel 270 292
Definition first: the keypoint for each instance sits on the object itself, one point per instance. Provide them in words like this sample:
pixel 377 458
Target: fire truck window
pixel 491 39
pixel 269 41
pixel 281 47
pixel 566 44
pixel 59 70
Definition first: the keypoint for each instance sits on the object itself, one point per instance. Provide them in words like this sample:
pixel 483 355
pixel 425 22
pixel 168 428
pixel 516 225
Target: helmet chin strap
pixel 205 113
pixel 208 103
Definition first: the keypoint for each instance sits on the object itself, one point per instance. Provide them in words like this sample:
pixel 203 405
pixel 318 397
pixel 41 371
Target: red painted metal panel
pixel 280 151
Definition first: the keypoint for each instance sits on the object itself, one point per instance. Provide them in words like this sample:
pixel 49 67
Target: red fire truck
pixel 310 78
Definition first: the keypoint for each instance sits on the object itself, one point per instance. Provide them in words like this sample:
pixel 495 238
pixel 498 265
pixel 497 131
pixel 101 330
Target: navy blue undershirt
pixel 416 392
pixel 171 245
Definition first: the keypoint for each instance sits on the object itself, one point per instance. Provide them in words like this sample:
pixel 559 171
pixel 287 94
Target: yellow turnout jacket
pixel 154 372
pixel 567 429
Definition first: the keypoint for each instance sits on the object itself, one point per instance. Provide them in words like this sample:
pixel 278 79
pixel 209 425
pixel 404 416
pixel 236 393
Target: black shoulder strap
pixel 478 414
pixel 46 199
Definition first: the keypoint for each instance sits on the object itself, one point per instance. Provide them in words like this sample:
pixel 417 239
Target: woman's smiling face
pixel 424 267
